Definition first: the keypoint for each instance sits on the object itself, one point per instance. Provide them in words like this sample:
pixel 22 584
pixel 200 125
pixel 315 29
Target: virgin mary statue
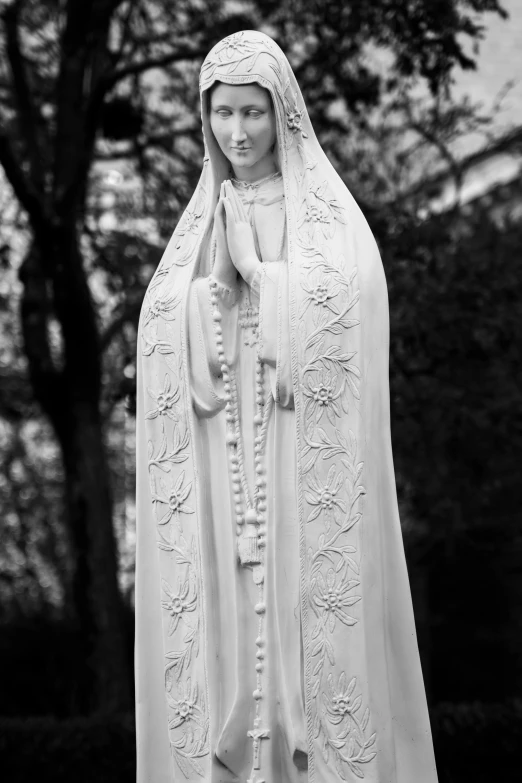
pixel 275 638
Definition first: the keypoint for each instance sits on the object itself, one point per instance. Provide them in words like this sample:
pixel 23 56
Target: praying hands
pixel 235 252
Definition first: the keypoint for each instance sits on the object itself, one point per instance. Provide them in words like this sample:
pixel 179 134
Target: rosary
pixel 250 506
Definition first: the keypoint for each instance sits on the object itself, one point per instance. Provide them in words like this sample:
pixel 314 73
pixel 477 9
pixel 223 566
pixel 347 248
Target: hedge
pixel 98 749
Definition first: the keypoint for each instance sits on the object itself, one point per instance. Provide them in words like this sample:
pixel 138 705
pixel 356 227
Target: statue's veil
pixel 367 659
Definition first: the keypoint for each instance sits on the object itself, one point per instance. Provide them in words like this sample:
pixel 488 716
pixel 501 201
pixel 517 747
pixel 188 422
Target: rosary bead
pixel 219 341
pixel 224 368
pixel 260 655
pixel 261 481
pixel 260 642
pixel 231 438
pixel 216 315
pixel 239 509
pixel 259 667
pixel 218 330
pixel 260 608
pixel 258 440
pixel 261 542
pixel 262 506
pixel 257 694
pixel 260 469
pixel 258 419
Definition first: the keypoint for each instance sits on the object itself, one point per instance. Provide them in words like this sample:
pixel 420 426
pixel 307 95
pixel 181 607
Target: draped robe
pixel 234 616
pixel 343 697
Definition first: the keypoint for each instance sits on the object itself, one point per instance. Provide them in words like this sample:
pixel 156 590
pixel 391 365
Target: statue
pixel 275 640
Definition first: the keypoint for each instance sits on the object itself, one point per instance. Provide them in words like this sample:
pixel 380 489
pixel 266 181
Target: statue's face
pixel 243 122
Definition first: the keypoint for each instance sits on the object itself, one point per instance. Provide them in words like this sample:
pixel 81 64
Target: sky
pixel 499 61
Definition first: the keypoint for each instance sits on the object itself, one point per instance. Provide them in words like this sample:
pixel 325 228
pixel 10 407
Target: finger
pixel 231 195
pixel 240 207
pixel 229 211
pixel 219 219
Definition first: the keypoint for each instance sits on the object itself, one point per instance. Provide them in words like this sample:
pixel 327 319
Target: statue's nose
pixel 238 134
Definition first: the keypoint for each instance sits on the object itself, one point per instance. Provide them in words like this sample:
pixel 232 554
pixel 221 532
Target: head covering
pixel 360 656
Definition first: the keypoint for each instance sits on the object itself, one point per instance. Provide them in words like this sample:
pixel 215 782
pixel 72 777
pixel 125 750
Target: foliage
pixel 478 741
pixel 455 286
pixel 98 748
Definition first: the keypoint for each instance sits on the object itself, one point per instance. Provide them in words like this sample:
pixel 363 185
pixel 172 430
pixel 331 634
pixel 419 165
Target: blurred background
pixel 419 106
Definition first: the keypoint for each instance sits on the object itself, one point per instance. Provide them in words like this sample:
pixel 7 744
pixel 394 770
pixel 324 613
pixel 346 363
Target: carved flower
pixel 161 306
pixel 185 708
pixel 331 599
pixel 323 397
pixel 166 400
pixel 174 499
pixel 318 214
pixel 340 701
pixel 321 288
pixel 178 602
pixel 238 48
pixel 191 218
pixel 323 496
pixel 191 222
pixel 235 44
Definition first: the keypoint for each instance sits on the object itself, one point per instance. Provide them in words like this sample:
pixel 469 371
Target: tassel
pixel 247 545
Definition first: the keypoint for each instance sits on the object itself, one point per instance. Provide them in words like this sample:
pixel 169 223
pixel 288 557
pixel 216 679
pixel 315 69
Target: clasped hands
pixel 235 248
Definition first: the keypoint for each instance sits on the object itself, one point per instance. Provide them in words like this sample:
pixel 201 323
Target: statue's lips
pixel 241 149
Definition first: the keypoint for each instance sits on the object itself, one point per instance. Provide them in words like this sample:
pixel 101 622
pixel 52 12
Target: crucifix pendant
pixel 257 735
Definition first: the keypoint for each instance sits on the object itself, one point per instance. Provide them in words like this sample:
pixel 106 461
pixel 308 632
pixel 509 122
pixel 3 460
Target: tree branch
pixel 28 197
pixel 28 114
pixel 129 314
pixel 152 62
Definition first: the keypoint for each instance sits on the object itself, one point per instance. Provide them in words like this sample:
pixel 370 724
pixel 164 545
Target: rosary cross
pixel 257 735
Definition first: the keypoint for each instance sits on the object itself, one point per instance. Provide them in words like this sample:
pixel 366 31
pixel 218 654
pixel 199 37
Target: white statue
pixel 275 640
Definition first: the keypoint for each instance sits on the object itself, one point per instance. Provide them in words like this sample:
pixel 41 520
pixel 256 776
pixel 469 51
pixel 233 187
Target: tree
pixel 74 92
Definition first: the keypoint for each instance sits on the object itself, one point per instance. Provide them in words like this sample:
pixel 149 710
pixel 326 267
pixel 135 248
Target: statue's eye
pixel 254 113
pixel 223 112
